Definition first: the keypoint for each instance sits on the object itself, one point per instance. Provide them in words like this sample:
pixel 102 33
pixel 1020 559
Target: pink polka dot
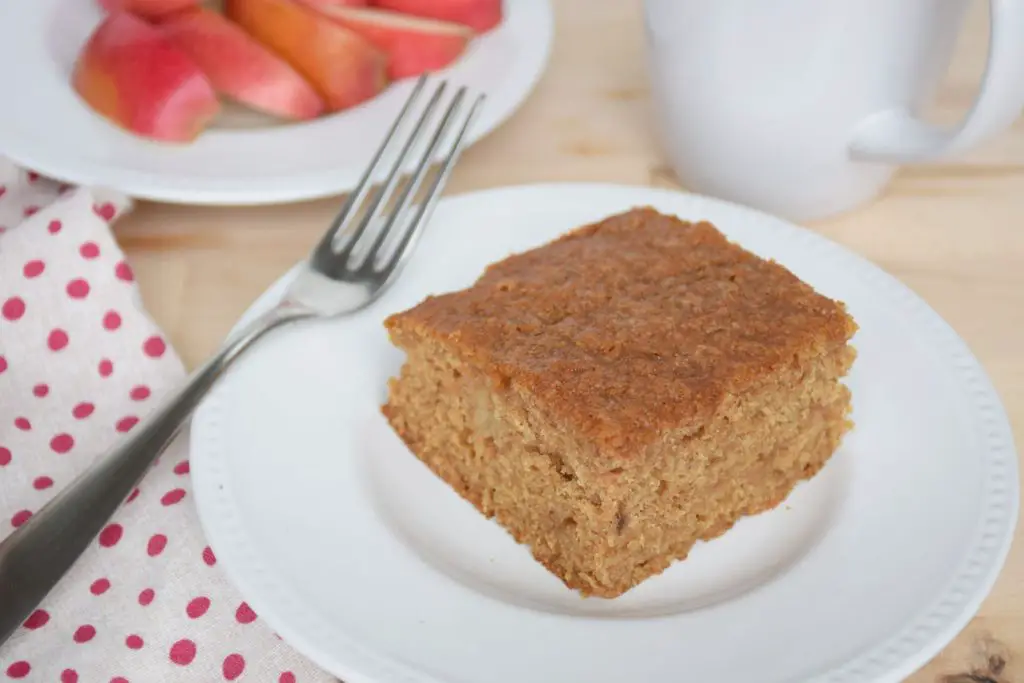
pixel 22 423
pixel 84 633
pixel 140 393
pixel 125 424
pixel 197 607
pixel 119 679
pixel 3 190
pixel 234 665
pixel 111 534
pixel 124 272
pixel 62 443
pixel 40 390
pixel 83 410
pixel 134 642
pixel 106 368
pixel 183 652
pixel 173 496
pixel 89 250
pixel 154 347
pixel 18 669
pixel 208 557
pixel 68 676
pixel 13 308
pixel 57 340
pixel 42 483
pixel 112 320
pixel 286 677
pixel 146 596
pixel 132 496
pixel 20 517
pixel 78 288
pixel 37 619
pixel 5 456
pixel 3 363
pixel 244 614
pixel 156 545
pixel 30 211
pixel 32 176
pixel 182 467
pixel 99 586
pixel 105 211
pixel 54 227
pixel 33 268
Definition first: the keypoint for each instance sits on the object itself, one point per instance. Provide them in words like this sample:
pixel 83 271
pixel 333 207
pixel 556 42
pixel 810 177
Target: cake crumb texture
pixel 624 391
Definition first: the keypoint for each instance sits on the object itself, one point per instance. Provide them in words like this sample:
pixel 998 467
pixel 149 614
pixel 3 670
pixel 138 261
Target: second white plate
pixel 45 126
pixel 371 566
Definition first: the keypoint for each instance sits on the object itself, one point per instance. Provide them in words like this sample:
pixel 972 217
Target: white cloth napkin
pixel 80 363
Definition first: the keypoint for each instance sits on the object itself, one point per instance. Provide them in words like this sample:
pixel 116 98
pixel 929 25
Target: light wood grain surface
pixel 953 231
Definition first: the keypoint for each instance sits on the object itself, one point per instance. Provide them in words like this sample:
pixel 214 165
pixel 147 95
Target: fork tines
pixel 373 240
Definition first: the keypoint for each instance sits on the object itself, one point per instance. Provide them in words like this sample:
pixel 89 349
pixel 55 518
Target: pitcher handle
pixel 897 136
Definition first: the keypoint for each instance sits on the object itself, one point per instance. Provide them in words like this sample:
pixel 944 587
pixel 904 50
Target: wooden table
pixel 953 231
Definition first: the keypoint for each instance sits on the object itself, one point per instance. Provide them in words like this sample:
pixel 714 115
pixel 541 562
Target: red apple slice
pixel 344 68
pixel 414 45
pixel 131 74
pixel 479 15
pixel 240 67
pixel 148 9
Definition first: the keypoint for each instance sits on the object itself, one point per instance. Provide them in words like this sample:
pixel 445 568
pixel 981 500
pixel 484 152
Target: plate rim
pixel 891 659
pixel 275 190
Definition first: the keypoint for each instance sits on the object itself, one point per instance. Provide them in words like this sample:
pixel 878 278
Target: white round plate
pixel 365 562
pixel 45 126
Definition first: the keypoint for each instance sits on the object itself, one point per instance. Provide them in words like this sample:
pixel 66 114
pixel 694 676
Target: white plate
pixel 364 561
pixel 45 126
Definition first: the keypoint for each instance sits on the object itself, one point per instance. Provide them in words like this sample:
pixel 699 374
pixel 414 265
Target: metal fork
pixel 349 268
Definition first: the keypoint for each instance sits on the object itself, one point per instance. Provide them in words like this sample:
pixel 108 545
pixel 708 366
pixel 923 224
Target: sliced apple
pixel 148 9
pixel 479 15
pixel 131 74
pixel 414 45
pixel 239 67
pixel 345 68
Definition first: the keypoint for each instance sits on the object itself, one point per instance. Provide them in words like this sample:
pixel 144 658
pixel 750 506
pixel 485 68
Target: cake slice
pixel 616 395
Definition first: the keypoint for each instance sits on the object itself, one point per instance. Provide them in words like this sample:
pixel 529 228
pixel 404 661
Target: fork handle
pixel 37 554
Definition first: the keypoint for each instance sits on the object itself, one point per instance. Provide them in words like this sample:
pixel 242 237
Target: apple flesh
pixel 413 45
pixel 239 67
pixel 479 15
pixel 148 9
pixel 344 68
pixel 131 74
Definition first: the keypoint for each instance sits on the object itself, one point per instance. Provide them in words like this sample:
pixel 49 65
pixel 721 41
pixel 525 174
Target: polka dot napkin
pixel 80 364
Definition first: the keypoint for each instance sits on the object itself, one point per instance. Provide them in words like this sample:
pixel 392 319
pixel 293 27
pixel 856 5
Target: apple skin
pixel 479 15
pixel 239 67
pixel 147 9
pixel 318 4
pixel 132 75
pixel 345 68
pixel 414 45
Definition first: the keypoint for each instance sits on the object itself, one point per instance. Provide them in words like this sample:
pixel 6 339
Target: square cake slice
pixel 618 394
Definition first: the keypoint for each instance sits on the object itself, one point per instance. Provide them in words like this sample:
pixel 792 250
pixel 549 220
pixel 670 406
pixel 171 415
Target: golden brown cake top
pixel 633 325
